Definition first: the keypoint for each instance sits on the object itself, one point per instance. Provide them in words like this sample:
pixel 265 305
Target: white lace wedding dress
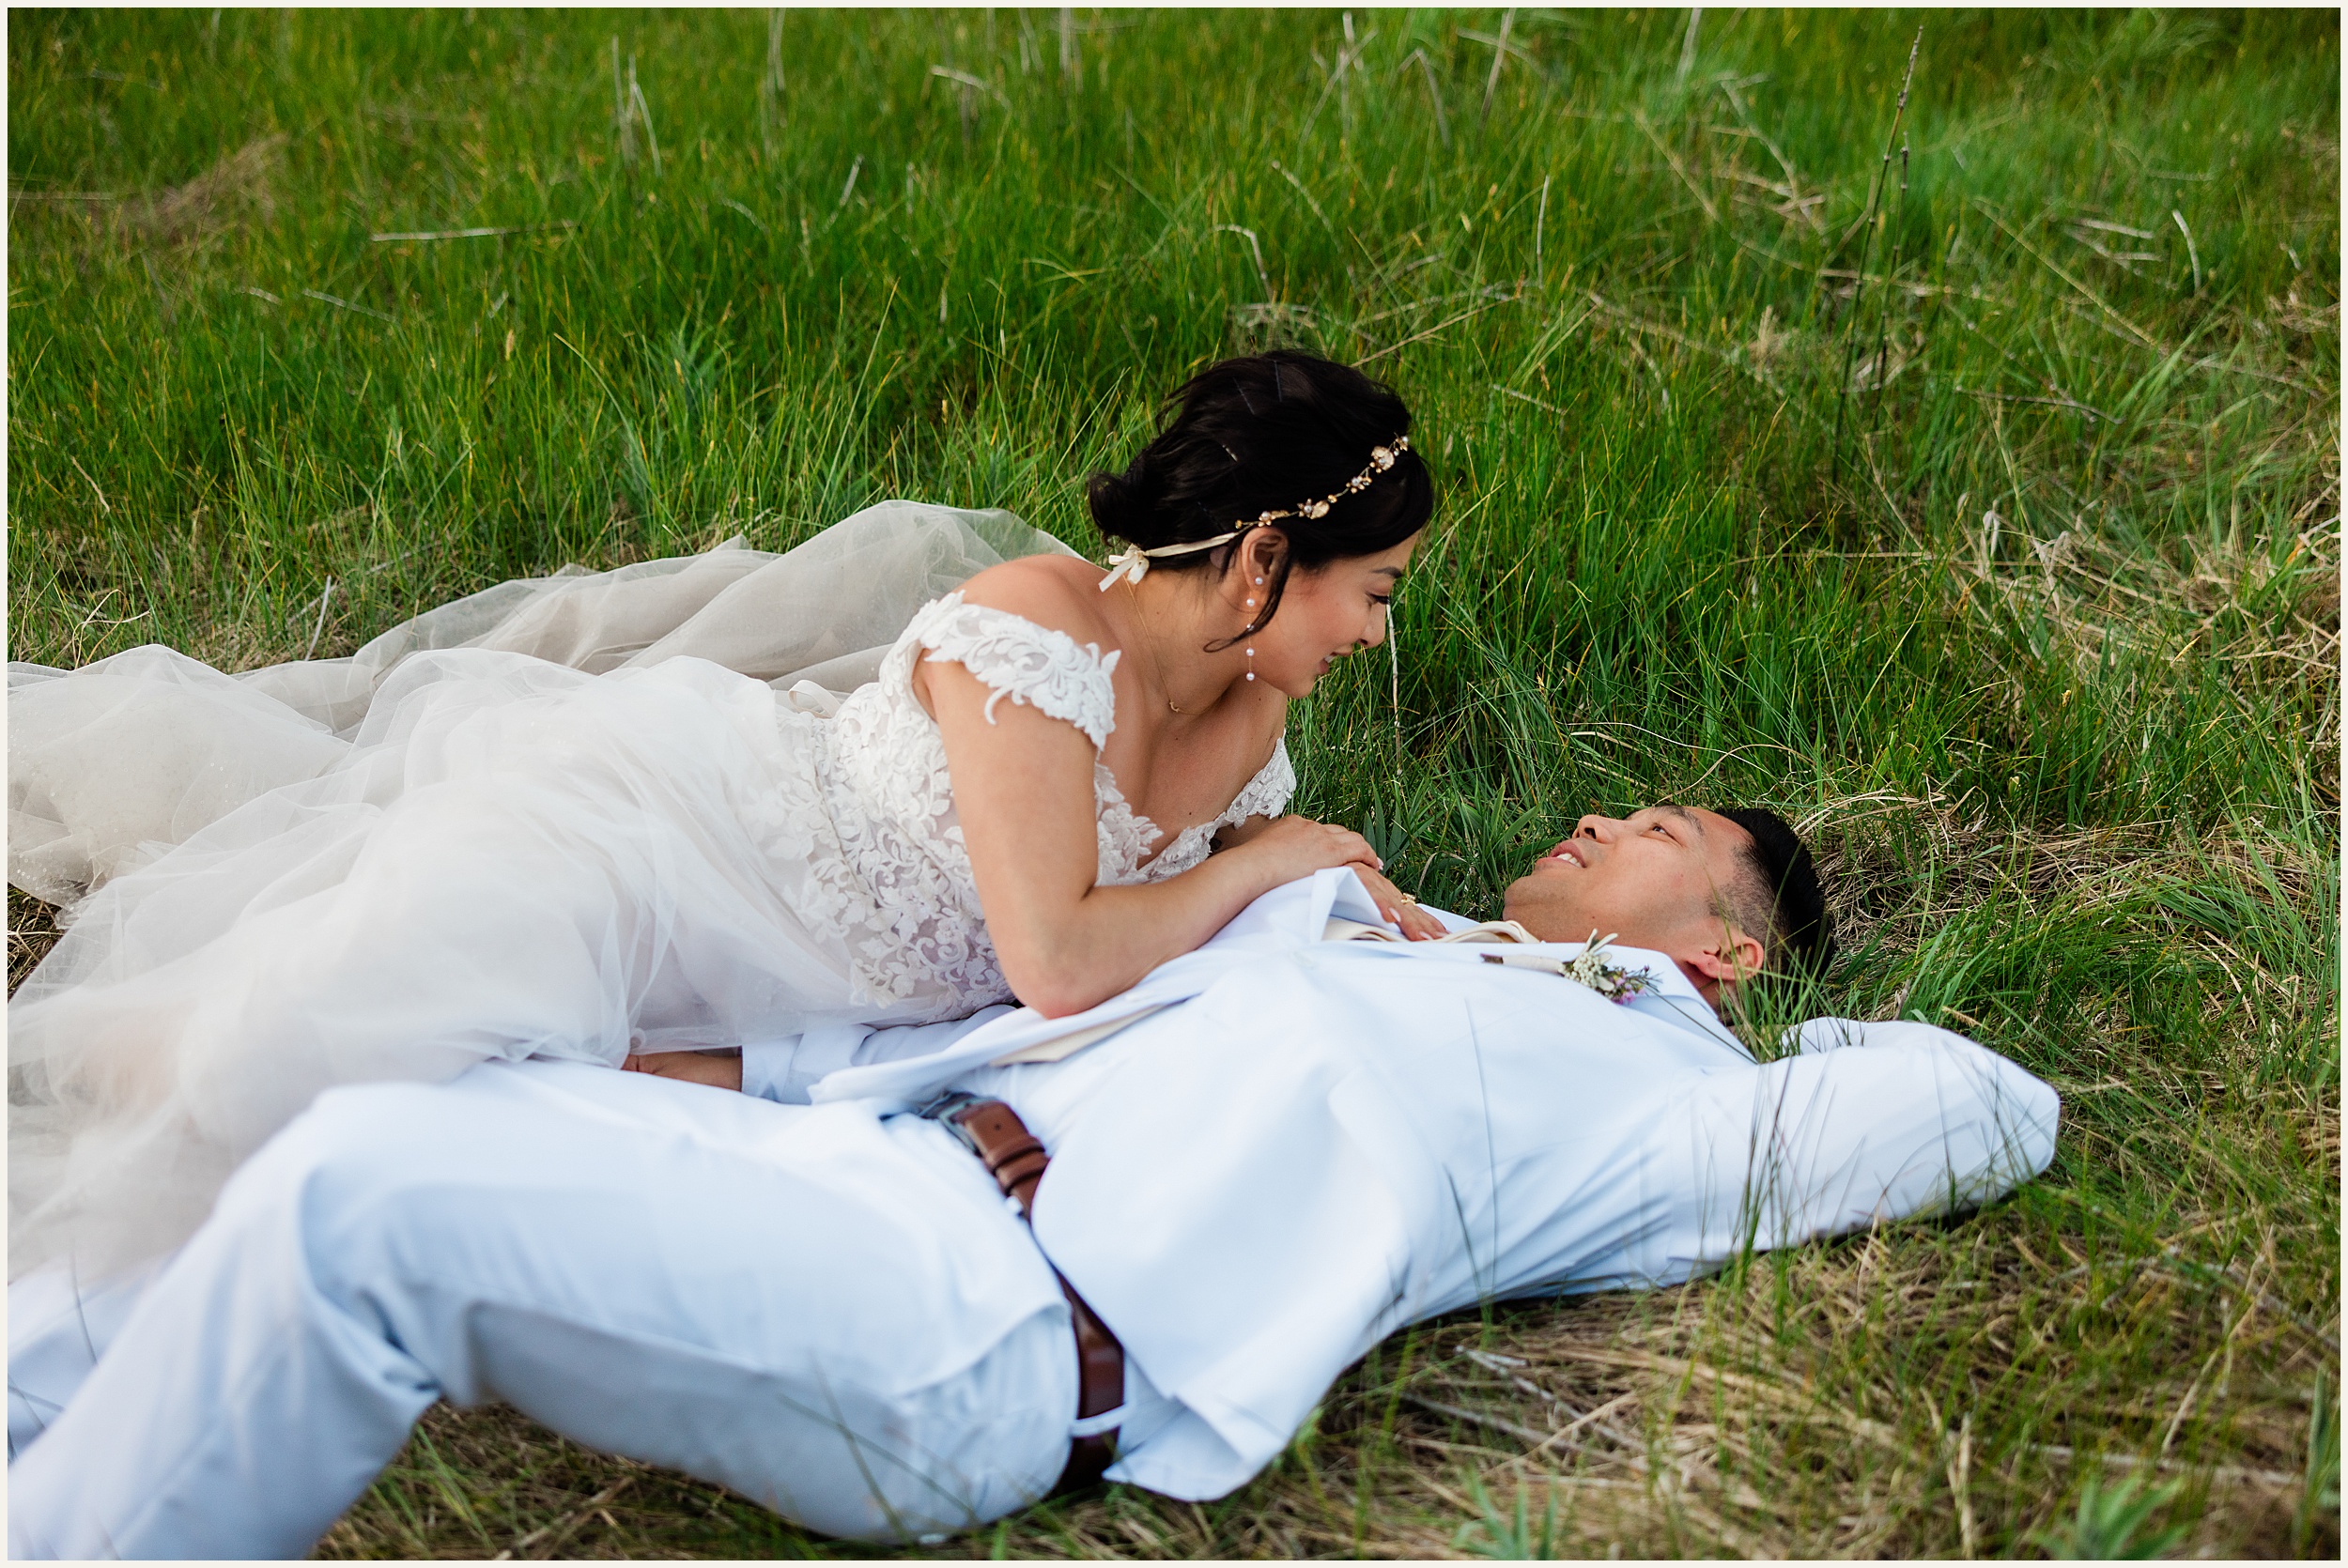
pixel 573 817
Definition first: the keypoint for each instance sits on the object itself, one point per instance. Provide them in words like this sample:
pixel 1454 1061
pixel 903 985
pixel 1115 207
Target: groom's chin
pixel 1523 902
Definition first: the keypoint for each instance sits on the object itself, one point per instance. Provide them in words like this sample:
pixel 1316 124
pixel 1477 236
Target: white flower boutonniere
pixel 1611 980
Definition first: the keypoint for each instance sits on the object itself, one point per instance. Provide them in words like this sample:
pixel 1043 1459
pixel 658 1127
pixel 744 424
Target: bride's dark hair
pixel 1264 433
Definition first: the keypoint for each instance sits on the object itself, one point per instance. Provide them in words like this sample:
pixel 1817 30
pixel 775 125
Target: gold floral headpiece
pixel 1132 565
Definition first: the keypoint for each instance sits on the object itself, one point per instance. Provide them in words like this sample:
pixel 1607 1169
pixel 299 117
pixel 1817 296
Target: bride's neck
pixel 1171 618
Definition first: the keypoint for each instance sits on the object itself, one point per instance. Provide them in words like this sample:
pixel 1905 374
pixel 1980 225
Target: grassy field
pixel 1988 529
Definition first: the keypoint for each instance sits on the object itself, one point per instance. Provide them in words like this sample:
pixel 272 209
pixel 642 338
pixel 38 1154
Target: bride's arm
pixel 1023 794
pixel 1237 834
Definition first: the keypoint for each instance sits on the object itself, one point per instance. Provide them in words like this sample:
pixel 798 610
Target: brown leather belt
pixel 1016 1159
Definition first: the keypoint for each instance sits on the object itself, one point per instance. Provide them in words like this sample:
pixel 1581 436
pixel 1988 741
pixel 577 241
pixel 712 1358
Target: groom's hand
pixel 1398 908
pixel 719 1071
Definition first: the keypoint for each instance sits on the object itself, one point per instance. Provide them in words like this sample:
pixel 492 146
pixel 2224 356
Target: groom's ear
pixel 1732 960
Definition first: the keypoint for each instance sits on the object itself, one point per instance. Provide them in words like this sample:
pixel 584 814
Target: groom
pixel 1265 1158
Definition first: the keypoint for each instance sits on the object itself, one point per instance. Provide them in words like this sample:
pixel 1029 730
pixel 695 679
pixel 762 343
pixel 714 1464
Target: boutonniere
pixel 1611 980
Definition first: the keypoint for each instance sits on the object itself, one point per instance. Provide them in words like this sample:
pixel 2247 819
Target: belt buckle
pixel 941 1110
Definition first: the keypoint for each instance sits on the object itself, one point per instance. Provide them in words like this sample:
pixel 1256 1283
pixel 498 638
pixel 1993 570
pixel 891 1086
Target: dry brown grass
pixel 2270 603
pixel 238 189
pixel 233 190
pixel 32 932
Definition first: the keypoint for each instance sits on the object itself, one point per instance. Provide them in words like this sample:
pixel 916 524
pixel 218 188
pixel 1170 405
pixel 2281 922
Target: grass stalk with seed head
pixel 1890 298
pixel 623 118
pixel 1870 222
pixel 1434 92
pixel 1500 57
pixel 770 85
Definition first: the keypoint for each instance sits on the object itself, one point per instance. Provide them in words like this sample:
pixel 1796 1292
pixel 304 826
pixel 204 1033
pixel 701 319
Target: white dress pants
pixel 834 1316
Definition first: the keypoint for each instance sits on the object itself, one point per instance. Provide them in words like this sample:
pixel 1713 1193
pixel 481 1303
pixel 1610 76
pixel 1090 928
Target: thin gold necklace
pixel 1159 675
pixel 1157 672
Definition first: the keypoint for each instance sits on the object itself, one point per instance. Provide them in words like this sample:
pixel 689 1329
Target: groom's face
pixel 1659 878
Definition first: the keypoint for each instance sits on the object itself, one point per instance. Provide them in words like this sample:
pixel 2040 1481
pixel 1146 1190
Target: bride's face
pixel 1326 614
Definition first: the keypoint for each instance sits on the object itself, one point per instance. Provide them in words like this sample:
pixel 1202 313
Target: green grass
pixel 2044 648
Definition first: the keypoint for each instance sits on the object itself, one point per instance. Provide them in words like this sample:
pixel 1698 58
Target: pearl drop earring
pixel 1251 646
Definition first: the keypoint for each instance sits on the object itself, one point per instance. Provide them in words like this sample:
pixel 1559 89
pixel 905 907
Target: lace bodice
pixel 904 887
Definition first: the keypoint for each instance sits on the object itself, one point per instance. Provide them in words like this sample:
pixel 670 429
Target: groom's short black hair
pixel 1787 903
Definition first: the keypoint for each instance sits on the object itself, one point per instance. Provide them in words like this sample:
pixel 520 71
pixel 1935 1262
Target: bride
pixel 618 818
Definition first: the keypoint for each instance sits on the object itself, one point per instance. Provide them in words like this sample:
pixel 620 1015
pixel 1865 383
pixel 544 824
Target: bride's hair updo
pixel 1269 433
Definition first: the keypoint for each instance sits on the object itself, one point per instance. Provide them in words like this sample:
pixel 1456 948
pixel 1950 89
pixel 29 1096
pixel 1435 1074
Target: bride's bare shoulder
pixel 1059 592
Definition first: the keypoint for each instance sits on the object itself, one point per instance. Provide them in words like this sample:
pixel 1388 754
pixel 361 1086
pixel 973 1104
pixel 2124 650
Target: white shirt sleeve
pixel 782 1069
pixel 785 1068
pixel 1871 1123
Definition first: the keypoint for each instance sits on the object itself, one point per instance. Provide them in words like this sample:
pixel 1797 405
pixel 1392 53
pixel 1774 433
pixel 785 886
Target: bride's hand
pixel 1399 907
pixel 1294 847
pixel 718 1072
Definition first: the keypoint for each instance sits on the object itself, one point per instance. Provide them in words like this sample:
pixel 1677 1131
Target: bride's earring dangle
pixel 1393 675
pixel 1251 644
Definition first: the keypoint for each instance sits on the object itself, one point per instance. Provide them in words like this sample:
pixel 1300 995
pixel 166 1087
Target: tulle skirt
pixel 573 817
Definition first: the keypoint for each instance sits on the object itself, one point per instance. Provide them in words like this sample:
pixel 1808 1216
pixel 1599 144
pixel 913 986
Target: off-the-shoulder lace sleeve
pixel 1036 665
pixel 1267 793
